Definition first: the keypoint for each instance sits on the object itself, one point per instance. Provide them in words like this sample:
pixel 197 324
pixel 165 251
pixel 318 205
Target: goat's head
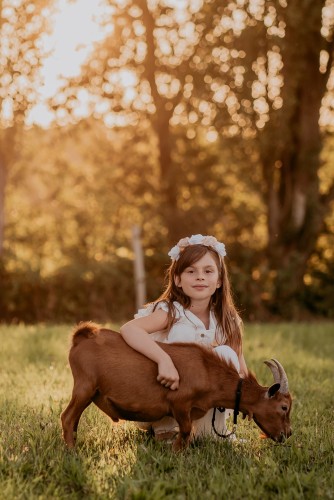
pixel 272 414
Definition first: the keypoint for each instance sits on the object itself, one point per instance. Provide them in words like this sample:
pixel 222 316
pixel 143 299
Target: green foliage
pixel 22 27
pixel 219 133
pixel 121 462
pixel 73 197
pixel 86 290
pixel 318 293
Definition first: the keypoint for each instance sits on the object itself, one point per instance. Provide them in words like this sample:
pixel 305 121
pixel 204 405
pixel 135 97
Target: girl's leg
pixel 164 428
pixel 225 352
pixel 203 426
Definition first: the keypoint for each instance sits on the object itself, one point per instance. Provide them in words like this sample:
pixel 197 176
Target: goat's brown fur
pixel 123 384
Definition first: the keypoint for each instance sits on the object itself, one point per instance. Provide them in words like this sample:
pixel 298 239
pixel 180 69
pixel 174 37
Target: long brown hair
pixel 229 330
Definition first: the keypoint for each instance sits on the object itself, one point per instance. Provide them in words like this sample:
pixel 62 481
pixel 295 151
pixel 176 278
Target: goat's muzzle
pixel 282 437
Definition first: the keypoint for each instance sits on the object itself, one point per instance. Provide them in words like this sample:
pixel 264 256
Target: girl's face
pixel 200 280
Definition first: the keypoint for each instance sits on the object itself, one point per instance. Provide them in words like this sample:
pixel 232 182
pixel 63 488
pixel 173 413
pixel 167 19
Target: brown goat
pixel 123 384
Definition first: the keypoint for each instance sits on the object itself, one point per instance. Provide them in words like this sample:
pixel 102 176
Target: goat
pixel 122 383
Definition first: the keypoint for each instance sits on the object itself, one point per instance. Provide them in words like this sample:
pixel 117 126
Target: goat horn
pixel 274 370
pixel 284 389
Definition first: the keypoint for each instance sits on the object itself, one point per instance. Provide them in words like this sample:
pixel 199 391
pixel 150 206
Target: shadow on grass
pixel 121 462
pixel 34 460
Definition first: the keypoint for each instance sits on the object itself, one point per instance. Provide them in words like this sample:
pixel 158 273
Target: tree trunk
pixel 3 178
pixel 8 137
pixel 290 152
pixel 170 212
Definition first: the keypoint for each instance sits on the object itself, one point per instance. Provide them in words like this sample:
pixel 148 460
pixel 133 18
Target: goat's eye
pixel 284 408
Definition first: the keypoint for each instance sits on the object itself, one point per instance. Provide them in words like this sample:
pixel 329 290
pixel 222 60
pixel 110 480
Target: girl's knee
pixel 227 353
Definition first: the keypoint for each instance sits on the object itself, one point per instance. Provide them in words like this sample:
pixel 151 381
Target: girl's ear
pixel 177 280
pixel 218 284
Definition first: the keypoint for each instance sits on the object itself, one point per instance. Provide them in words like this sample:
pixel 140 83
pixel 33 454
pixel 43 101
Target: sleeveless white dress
pixel 189 328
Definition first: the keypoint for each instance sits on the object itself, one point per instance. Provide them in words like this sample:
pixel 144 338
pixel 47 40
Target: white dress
pixel 189 328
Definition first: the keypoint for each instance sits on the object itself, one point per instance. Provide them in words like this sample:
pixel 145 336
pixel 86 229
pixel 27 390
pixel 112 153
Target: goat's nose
pixel 282 437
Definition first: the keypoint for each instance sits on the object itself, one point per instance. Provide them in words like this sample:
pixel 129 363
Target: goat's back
pixel 101 357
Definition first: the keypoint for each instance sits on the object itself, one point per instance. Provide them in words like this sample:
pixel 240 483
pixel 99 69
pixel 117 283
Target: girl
pixel 196 307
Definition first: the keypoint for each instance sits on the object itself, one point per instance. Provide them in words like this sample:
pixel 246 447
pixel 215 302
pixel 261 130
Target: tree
pixel 154 46
pixel 252 72
pixel 299 35
pixel 21 52
pixel 270 65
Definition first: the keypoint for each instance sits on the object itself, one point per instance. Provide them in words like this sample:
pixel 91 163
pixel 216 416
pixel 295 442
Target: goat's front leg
pixel 182 416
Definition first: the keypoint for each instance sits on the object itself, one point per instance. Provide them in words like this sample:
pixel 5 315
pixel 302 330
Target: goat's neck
pixel 251 395
pixel 251 392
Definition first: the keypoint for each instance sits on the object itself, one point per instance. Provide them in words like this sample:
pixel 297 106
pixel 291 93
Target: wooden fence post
pixel 139 268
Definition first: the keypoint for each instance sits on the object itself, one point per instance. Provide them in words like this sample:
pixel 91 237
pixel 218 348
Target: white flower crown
pixel 197 239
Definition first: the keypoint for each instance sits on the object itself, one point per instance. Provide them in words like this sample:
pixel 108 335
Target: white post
pixel 139 268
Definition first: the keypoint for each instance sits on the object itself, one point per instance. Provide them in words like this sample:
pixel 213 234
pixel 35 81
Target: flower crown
pixel 197 239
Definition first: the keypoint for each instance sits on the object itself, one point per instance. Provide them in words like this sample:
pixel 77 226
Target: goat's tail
pixel 84 330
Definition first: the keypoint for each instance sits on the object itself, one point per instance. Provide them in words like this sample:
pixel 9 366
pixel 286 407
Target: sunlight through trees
pixel 186 117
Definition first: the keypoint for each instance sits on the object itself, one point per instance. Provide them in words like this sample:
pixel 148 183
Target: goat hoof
pixel 179 445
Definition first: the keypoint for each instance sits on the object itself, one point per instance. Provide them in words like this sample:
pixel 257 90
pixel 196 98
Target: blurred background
pixel 175 117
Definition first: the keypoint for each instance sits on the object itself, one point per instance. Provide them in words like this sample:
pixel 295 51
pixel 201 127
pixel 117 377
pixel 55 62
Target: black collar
pixel 235 412
pixel 237 401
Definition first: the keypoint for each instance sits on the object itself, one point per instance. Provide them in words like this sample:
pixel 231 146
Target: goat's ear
pixel 273 389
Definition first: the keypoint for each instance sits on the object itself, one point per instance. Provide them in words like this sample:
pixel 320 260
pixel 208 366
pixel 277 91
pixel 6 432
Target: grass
pixel 115 461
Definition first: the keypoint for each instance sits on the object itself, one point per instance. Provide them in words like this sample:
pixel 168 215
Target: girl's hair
pixel 229 329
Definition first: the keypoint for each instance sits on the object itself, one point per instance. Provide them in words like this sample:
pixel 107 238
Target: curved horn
pixel 283 378
pixel 274 370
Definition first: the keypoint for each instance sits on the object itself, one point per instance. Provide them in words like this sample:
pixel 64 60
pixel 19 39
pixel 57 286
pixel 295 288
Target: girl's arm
pixel 243 366
pixel 136 335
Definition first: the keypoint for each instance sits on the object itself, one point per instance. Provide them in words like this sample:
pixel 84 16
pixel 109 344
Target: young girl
pixel 196 307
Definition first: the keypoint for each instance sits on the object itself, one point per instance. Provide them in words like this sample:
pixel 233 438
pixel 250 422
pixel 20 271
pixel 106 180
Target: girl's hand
pixel 168 375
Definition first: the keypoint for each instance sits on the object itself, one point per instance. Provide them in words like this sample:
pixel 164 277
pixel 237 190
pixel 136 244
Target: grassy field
pixel 120 462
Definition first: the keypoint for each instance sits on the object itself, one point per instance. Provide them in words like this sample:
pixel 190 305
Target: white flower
pixel 209 241
pixel 220 248
pixel 174 253
pixel 184 242
pixel 196 239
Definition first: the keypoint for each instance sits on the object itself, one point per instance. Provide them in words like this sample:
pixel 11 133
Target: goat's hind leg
pixel 183 419
pixel 81 398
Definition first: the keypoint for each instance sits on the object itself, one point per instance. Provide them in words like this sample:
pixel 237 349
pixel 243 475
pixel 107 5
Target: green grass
pixel 119 461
